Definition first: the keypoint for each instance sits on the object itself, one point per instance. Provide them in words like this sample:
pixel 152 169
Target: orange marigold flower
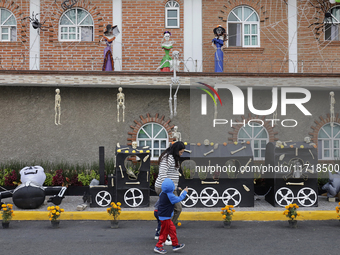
pixel 224 216
pixel 179 224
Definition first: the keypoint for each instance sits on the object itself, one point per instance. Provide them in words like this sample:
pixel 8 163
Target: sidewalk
pixel 262 211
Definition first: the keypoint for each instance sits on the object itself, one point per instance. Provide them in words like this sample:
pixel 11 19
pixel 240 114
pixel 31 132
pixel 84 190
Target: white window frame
pixel 243 23
pixel 253 138
pixel 336 23
pixel 76 26
pixel 142 141
pixel 172 6
pixel 9 27
pixel 331 140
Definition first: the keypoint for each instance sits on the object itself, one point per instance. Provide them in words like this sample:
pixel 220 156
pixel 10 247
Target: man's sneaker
pixel 178 247
pixel 168 241
pixel 159 250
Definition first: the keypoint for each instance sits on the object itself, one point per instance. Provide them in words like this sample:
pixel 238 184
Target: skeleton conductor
pixel 176 135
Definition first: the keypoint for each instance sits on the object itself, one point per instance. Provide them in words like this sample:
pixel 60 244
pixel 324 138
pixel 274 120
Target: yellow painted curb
pixel 185 216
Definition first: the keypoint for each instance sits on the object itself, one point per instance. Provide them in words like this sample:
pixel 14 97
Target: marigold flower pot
pixel 226 224
pixel 114 223
pixel 55 223
pixel 5 224
pixel 292 223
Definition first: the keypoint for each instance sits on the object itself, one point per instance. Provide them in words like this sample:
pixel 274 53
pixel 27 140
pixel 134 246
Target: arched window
pixel 328 141
pixel 76 25
pixel 8 26
pixel 258 137
pixel 243 27
pixel 171 14
pixel 154 136
pixel 332 25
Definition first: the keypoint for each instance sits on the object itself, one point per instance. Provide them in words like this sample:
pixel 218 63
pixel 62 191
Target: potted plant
pixel 227 215
pixel 54 214
pixel 291 213
pixel 114 211
pixel 7 214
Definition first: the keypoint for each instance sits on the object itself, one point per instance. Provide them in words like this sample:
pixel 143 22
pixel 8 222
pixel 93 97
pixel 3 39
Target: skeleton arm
pixel 163 64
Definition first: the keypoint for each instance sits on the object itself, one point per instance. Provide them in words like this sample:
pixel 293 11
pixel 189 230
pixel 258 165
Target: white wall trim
pixel 193 34
pixel 292 36
pixel 117 45
pixel 34 37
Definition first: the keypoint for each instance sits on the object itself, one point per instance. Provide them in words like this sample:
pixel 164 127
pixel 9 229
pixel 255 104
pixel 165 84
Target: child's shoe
pixel 159 250
pixel 178 247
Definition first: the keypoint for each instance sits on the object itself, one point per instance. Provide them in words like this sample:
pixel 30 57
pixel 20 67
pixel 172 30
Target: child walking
pixel 165 211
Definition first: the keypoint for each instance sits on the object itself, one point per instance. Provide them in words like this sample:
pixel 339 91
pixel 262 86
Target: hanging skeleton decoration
pixel 57 107
pixel 67 4
pixel 36 24
pixel 331 94
pixel 174 66
pixel 120 103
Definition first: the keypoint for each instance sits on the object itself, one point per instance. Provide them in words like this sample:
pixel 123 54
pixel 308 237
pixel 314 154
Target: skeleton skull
pixel 278 144
pixel 307 139
pixel 206 142
pixel 134 145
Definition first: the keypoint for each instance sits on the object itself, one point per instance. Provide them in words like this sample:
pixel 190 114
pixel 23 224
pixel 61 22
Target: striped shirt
pixel 167 169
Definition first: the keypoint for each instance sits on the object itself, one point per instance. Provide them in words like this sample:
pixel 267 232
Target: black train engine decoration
pixel 216 176
pixel 133 176
pixel 290 169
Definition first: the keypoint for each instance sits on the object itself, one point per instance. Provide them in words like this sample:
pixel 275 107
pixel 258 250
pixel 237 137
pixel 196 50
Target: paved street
pixel 201 238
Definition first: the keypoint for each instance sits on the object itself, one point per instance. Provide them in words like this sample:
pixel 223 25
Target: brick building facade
pixel 286 48
pixel 287 38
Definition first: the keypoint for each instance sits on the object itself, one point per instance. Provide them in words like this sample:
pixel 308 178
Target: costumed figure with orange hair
pixel 218 44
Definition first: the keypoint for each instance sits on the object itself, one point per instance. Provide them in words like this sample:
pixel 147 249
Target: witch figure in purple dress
pixel 218 44
pixel 108 38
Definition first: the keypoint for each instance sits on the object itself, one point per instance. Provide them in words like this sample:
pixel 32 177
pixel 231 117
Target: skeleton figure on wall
pixel 120 103
pixel 57 107
pixel 176 135
pixel 174 66
pixel 331 94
